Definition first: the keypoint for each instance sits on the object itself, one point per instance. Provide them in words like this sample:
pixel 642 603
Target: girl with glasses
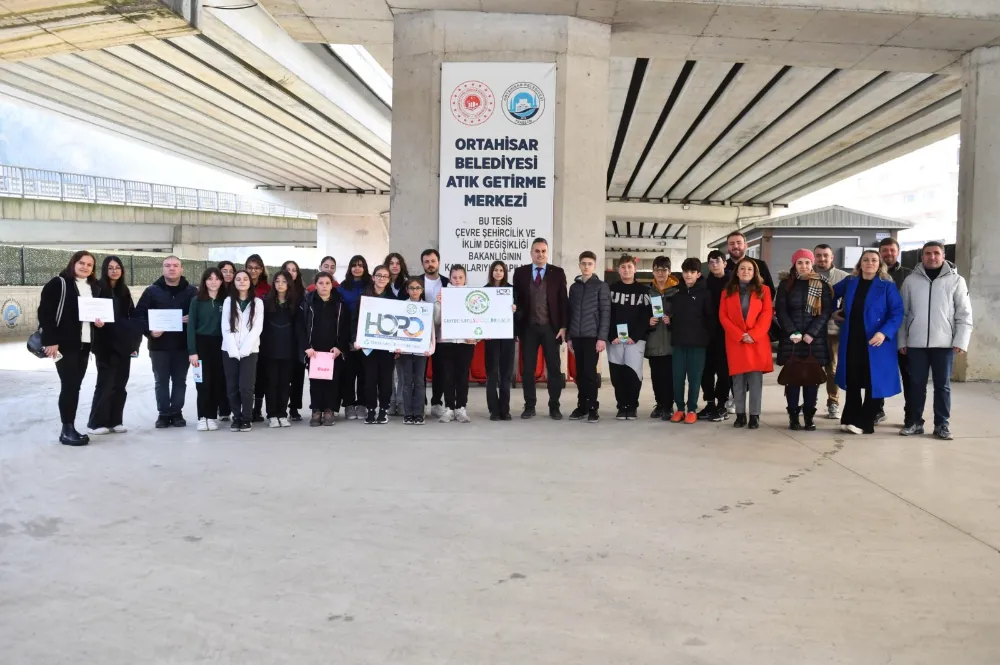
pixel 413 367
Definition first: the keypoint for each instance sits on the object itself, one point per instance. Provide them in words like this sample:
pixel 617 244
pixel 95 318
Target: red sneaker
pixel 691 418
pixel 678 417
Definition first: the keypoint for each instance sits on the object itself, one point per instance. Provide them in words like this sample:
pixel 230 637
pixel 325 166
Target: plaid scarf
pixel 814 301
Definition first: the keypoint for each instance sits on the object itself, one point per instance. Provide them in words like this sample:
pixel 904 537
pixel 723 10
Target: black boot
pixel 808 415
pixel 754 422
pixel 793 419
pixel 70 437
pixel 741 420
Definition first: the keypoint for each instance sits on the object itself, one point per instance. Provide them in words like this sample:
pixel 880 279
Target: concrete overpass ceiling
pixel 222 99
pixel 624 230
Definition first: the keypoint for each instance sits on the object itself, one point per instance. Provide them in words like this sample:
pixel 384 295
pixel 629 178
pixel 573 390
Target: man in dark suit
pixel 542 315
pixel 433 282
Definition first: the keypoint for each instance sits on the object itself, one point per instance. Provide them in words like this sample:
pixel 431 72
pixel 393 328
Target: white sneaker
pixel 447 416
pixel 853 429
pixel 351 412
pixel 273 423
pixel 461 415
pixel 212 425
pixel 437 411
pixel 203 424
pixel 98 431
pixel 730 406
pixel 283 422
pixel 119 429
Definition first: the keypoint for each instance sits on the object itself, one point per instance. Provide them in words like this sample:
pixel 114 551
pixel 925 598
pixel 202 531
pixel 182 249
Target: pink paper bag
pixel 321 367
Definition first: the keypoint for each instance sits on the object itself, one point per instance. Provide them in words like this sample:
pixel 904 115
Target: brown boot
pixel 329 419
pixel 317 419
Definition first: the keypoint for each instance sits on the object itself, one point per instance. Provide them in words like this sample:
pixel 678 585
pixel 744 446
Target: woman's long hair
pixel 883 271
pixel 203 284
pixel 404 272
pixel 120 289
pixel 503 281
pixel 756 284
pixel 292 295
pixel 366 277
pixel 234 302
pixel 297 283
pixel 370 289
pixel 255 258
pixel 70 272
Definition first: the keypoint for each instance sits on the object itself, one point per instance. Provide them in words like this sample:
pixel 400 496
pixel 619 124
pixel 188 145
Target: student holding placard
pixel 114 344
pixel 455 360
pixel 659 352
pixel 279 346
pixel 324 334
pixel 242 324
pixel 204 335
pixel 378 364
pixel 66 339
pixel 163 309
pixel 413 366
pixel 630 307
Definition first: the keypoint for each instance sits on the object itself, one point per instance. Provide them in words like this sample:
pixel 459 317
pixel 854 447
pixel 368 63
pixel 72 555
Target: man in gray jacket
pixel 824 266
pixel 587 334
pixel 937 325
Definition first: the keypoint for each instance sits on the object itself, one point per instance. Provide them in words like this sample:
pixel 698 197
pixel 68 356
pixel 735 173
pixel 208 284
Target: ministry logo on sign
pixel 477 302
pixel 11 313
pixel 523 103
pixel 472 103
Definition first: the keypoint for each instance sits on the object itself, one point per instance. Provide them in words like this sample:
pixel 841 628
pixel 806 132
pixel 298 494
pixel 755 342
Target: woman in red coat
pixel 745 313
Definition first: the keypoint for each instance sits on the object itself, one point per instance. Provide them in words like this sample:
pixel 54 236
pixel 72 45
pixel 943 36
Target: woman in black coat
pixel 113 346
pixel 803 306
pixel 65 339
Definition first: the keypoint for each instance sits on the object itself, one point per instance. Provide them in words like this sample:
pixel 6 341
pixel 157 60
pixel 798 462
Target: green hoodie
pixel 205 318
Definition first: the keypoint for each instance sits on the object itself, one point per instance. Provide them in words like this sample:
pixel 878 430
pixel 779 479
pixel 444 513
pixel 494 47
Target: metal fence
pixel 33 266
pixel 52 185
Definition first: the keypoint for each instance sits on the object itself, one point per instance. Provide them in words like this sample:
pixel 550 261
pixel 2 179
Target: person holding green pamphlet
pixel 630 307
pixel 659 351
pixel 692 320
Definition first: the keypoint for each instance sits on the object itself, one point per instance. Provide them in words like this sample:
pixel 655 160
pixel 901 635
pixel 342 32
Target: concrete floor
pixel 514 543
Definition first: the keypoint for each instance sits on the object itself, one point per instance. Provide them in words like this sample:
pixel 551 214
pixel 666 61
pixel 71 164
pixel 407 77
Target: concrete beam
pixel 62 233
pixel 332 203
pixel 677 213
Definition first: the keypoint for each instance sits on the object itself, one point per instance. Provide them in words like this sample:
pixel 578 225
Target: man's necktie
pixel 538 276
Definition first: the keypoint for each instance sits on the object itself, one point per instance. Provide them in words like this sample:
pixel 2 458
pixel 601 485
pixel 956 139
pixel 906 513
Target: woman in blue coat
pixel 873 312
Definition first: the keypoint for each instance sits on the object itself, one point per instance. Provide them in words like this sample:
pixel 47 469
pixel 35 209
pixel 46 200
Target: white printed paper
pixel 93 309
pixel 166 320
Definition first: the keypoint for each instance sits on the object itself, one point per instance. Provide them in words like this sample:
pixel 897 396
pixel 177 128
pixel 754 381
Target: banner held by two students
pixel 387 325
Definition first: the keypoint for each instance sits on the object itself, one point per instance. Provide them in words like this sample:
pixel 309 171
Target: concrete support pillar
pixel 581 51
pixel 193 252
pixel 698 237
pixel 186 244
pixel 344 236
pixel 978 202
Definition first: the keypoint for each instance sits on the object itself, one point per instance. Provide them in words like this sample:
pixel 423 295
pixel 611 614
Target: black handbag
pixel 35 346
pixel 802 371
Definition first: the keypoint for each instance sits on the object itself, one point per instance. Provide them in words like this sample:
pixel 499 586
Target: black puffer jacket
pixel 160 296
pixel 279 338
pixel 692 318
pixel 793 317
pixel 589 309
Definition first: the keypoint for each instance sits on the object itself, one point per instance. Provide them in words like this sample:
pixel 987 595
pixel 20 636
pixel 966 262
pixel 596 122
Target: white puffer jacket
pixel 246 339
pixel 938 312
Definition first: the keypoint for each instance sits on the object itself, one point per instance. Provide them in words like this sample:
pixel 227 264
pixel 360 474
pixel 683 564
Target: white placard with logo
pixel 497 162
pixel 386 324
pixel 471 313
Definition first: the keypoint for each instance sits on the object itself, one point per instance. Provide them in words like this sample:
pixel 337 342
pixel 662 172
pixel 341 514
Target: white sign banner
pixel 387 324
pixel 497 162
pixel 468 313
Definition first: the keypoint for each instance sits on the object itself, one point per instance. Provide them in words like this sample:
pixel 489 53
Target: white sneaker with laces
pixel 446 416
pixel 203 424
pixel 119 429
pixel 273 423
pixel 212 425
pixel 462 416
pixel 98 431
pixel 437 411
pixel 283 422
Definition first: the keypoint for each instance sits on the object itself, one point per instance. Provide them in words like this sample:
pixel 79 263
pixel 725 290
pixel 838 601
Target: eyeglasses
pixel 414 288
pixel 254 269
pixel 659 269
pixel 114 268
pixel 381 276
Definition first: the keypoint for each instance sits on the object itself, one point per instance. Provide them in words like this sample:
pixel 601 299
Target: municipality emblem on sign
pixel 477 302
pixel 11 311
pixel 472 103
pixel 523 103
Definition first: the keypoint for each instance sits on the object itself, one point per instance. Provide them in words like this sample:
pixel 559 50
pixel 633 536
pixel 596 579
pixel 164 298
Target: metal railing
pixel 55 186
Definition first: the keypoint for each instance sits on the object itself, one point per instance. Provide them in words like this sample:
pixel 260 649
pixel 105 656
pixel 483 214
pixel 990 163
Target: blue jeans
pixel 170 370
pixel 930 361
pixel 809 397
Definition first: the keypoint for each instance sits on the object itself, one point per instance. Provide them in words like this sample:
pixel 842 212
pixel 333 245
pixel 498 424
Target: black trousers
pixel 170 370
pixel 212 396
pixel 585 353
pixel 457 362
pixel 378 366
pixel 860 413
pixel 437 379
pixel 325 395
pixel 499 371
pixel 298 382
pixel 241 376
pixel 715 381
pixel 108 407
pixel 532 337
pixel 352 380
pixel 260 388
pixel 71 370
pixel 904 373
pixel 661 374
pixel 279 383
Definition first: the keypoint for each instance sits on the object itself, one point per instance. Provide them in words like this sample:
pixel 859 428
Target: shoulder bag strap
pixel 62 301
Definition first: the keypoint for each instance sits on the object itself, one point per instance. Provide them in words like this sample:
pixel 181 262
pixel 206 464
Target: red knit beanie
pixel 803 254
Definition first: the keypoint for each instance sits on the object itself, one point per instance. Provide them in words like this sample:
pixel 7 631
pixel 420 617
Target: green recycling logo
pixel 477 302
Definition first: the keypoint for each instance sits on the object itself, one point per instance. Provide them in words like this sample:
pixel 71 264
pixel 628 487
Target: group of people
pixel 252 340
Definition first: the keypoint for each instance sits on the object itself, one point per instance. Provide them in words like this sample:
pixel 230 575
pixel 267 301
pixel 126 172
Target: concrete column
pixel 581 51
pixel 698 237
pixel 186 245
pixel 344 236
pixel 193 252
pixel 978 202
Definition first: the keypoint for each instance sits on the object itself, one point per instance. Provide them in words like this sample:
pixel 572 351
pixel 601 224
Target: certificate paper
pixel 92 309
pixel 166 320
pixel 657 303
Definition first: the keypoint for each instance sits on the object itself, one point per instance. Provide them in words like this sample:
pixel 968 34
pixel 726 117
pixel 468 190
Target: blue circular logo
pixel 523 103
pixel 11 313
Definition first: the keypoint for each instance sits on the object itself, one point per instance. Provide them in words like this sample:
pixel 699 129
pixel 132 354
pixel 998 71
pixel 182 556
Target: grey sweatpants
pixel 752 382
